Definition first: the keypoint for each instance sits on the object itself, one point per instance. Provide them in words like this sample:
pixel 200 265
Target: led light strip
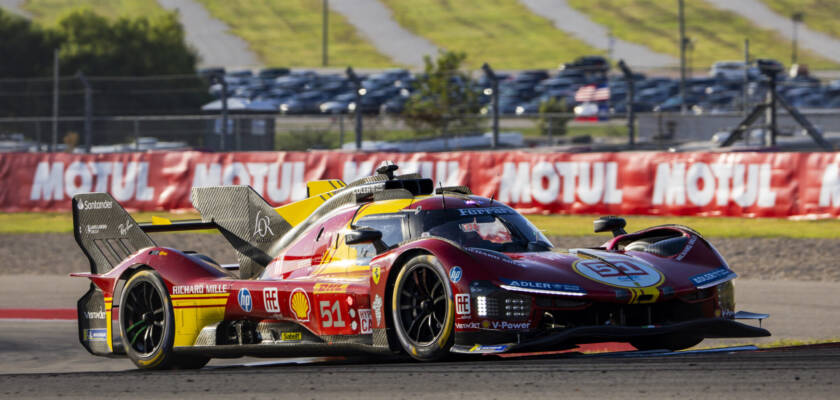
pixel 540 291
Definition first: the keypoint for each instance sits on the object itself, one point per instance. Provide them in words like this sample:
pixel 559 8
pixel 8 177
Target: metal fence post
pixel 136 134
pixel 88 112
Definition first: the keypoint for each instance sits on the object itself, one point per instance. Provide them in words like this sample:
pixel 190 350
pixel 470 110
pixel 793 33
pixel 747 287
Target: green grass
pixel 564 225
pixel 62 222
pixel 820 15
pixel 288 33
pixel 579 225
pixel 716 34
pixel 501 32
pixel 49 11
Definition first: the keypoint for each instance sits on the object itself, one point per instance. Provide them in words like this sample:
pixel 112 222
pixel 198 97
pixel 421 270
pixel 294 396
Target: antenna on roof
pixel 493 197
pixel 442 197
pixel 387 170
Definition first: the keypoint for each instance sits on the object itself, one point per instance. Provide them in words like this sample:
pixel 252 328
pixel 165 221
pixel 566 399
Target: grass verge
pixel 819 15
pixel 501 32
pixel 560 225
pixel 716 34
pixel 49 11
pixel 288 33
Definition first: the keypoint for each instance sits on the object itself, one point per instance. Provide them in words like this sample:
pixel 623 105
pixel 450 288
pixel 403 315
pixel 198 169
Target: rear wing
pixel 105 231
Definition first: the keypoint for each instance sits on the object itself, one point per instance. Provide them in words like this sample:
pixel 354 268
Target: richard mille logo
pixel 262 226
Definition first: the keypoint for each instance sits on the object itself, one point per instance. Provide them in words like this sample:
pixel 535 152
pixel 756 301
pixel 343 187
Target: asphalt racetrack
pixel 810 372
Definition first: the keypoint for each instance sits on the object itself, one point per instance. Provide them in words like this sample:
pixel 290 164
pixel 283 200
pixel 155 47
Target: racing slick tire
pixel 422 309
pixel 147 325
pixel 671 342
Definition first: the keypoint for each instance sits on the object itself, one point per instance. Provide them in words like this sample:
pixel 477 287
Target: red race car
pixel 385 265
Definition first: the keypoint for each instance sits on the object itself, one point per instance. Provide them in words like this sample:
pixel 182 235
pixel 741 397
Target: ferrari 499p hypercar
pixel 387 265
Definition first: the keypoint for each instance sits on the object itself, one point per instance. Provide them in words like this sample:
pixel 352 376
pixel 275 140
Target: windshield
pixel 493 228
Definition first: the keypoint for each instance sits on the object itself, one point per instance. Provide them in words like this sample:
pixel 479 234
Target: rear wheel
pixel 147 324
pixel 672 343
pixel 422 309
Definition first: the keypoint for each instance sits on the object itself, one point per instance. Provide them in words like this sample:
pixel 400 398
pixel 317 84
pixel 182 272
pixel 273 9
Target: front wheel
pixel 147 325
pixel 422 309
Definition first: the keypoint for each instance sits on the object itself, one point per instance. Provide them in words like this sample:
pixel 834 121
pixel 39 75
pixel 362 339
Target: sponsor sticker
pixel 291 336
pixel 94 229
pixel 488 349
pixel 687 248
pixel 124 227
pixel 377 309
pixel 325 288
pixel 485 211
pixel 271 300
pixel 467 325
pixel 299 303
pixel 620 272
pixel 710 276
pixel 455 274
pixel 462 304
pixel 244 299
pixel 94 205
pixel 549 286
pixel 206 288
pixel 95 314
pixel 364 320
pixel 262 226
pixel 96 335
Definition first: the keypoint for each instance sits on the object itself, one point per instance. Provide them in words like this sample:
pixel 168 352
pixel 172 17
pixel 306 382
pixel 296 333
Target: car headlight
pixel 726 299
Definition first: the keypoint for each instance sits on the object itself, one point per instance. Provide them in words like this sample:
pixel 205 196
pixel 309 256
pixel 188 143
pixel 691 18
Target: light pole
pixel 683 106
pixel 325 23
pixel 796 18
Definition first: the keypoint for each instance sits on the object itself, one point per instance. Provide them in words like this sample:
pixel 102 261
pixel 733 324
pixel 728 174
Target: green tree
pixel 444 100
pixel 125 47
pixel 26 49
pixel 554 115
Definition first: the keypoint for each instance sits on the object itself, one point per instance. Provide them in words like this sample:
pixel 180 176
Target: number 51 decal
pixel 328 312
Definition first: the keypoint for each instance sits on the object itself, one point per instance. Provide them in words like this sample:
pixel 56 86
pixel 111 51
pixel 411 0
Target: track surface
pixel 803 373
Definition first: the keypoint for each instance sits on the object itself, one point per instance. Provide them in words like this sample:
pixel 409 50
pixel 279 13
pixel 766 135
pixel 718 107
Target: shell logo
pixel 299 303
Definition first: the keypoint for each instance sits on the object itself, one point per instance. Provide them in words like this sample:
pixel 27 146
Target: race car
pixel 387 265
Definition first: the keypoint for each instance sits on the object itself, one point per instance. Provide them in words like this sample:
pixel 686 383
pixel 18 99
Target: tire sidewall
pixel 440 347
pixel 162 355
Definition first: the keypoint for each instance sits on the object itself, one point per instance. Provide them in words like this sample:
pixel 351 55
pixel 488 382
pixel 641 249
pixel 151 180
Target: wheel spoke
pixel 413 323
pixel 136 324
pixel 134 339
pixel 439 299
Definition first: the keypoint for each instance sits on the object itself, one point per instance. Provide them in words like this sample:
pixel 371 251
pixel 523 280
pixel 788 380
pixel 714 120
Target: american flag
pixel 588 93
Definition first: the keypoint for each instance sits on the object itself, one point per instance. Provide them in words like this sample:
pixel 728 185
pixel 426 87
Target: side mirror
pixel 362 235
pixel 611 223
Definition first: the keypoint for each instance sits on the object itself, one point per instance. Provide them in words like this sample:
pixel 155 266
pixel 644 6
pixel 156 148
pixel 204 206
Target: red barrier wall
pixel 726 184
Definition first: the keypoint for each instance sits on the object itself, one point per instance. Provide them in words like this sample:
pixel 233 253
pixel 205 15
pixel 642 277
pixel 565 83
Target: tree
pixel 554 115
pixel 26 49
pixel 444 99
pixel 126 47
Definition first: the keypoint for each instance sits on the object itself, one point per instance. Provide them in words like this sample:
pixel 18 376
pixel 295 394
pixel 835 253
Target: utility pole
pixel 357 86
pixel 745 97
pixel 88 112
pixel 631 113
pixel 796 18
pixel 325 22
pixel 54 143
pixel 494 81
pixel 683 107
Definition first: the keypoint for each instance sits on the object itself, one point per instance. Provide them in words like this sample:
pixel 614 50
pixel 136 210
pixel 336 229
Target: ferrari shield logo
pixel 375 273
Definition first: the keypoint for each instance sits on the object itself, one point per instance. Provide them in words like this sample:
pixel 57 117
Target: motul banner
pixel 656 183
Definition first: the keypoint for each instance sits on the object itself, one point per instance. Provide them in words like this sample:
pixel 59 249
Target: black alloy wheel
pixel 422 309
pixel 147 325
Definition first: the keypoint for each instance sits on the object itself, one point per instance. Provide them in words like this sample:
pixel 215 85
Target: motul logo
pixel 700 183
pixel 125 181
pixel 590 183
pixel 278 182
